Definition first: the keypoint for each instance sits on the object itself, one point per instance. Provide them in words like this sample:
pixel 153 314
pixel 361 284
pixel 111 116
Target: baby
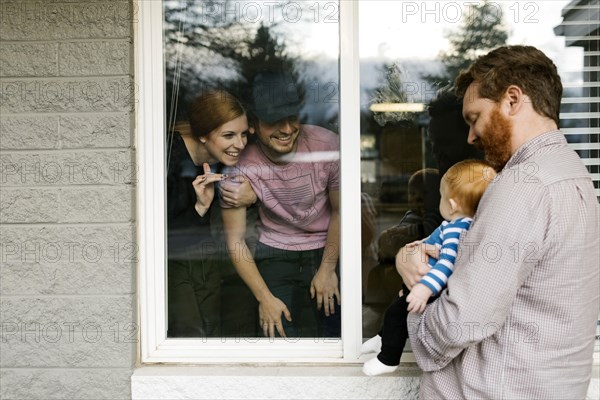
pixel 461 188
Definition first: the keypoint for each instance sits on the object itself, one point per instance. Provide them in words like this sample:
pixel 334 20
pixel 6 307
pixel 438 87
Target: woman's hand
pixel 204 186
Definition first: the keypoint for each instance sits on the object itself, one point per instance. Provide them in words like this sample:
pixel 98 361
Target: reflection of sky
pixel 395 30
pixel 389 29
pixel 410 30
pixel 413 33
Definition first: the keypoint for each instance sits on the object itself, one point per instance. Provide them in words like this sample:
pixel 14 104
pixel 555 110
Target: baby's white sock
pixel 374 367
pixel 372 345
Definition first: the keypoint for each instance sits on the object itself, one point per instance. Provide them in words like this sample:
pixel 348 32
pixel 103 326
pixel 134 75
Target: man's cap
pixel 275 96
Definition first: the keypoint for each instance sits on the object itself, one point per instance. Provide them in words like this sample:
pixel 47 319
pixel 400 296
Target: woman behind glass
pixel 215 137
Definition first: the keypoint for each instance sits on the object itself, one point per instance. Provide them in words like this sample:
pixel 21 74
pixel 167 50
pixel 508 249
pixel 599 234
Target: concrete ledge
pixel 282 382
pixel 272 382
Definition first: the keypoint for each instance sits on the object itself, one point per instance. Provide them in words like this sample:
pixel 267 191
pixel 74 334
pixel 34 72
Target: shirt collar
pixel 531 147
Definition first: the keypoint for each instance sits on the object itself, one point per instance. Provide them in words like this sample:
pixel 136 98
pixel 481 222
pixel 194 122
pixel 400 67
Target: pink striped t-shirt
pixel 294 206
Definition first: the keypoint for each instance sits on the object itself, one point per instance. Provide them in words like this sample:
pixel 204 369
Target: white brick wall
pixel 67 251
pixel 67 243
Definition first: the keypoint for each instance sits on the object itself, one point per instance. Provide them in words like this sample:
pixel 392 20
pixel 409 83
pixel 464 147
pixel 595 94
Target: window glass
pixel 409 51
pixel 411 133
pixel 252 166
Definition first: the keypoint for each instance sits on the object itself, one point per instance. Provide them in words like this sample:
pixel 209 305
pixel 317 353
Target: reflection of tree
pixel 481 31
pixel 263 52
pixel 392 92
pixel 205 49
pixel 197 48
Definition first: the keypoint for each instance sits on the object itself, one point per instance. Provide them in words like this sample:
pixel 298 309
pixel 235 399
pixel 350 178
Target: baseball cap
pixel 275 96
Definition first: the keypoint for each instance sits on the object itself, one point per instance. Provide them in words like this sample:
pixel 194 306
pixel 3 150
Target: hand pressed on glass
pixel 325 288
pixel 269 312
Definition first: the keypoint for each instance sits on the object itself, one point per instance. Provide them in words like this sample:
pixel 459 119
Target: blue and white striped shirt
pixel 446 236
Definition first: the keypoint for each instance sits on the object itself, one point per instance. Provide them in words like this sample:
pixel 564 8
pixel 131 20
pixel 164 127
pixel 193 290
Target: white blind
pixel 580 110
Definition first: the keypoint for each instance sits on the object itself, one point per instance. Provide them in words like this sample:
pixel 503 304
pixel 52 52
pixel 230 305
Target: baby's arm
pixel 418 297
pixel 438 276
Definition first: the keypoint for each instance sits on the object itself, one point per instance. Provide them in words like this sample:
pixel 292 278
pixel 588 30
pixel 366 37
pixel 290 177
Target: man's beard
pixel 495 141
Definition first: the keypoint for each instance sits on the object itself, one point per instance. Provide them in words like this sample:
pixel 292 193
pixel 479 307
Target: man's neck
pixel 528 129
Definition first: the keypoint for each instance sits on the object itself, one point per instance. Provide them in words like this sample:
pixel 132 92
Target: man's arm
pixel 412 259
pixel 488 274
pixel 411 263
pixel 325 284
pixel 270 307
pixel 237 192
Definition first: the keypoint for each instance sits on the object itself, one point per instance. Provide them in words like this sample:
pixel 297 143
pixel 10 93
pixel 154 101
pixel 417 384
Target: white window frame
pixel 155 347
pixel 150 146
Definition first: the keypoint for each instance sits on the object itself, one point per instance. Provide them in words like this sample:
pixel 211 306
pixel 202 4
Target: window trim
pixel 150 125
pixel 150 215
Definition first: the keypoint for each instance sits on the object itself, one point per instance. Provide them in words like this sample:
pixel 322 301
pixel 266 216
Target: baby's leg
pixel 393 339
pixel 395 332
pixel 372 345
pixel 374 367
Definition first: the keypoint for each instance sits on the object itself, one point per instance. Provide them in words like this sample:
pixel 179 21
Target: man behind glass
pixel 294 170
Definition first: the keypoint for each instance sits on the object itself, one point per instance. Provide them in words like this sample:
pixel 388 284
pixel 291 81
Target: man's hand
pixel 418 297
pixel 414 244
pixel 325 287
pixel 269 314
pixel 237 192
pixel 411 264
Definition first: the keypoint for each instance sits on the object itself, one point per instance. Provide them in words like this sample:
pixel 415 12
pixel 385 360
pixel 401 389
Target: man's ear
pixel 514 99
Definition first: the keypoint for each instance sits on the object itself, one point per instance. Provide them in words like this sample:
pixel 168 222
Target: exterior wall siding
pixel 67 229
pixel 67 240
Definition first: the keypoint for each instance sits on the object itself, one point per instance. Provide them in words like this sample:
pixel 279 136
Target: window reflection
pixel 411 124
pixel 253 168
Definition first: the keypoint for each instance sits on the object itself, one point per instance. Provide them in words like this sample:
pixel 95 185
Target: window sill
pixel 249 381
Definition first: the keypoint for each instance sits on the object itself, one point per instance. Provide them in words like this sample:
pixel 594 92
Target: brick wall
pixel 67 267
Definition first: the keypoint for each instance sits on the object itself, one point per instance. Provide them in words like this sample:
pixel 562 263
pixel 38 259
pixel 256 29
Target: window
pixel 231 46
pixel 371 86
pixel 399 72
pixel 280 62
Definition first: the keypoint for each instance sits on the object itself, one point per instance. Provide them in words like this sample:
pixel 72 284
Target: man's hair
pixel 445 101
pixel 448 131
pixel 466 181
pixel 275 96
pixel 523 66
pixel 211 110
